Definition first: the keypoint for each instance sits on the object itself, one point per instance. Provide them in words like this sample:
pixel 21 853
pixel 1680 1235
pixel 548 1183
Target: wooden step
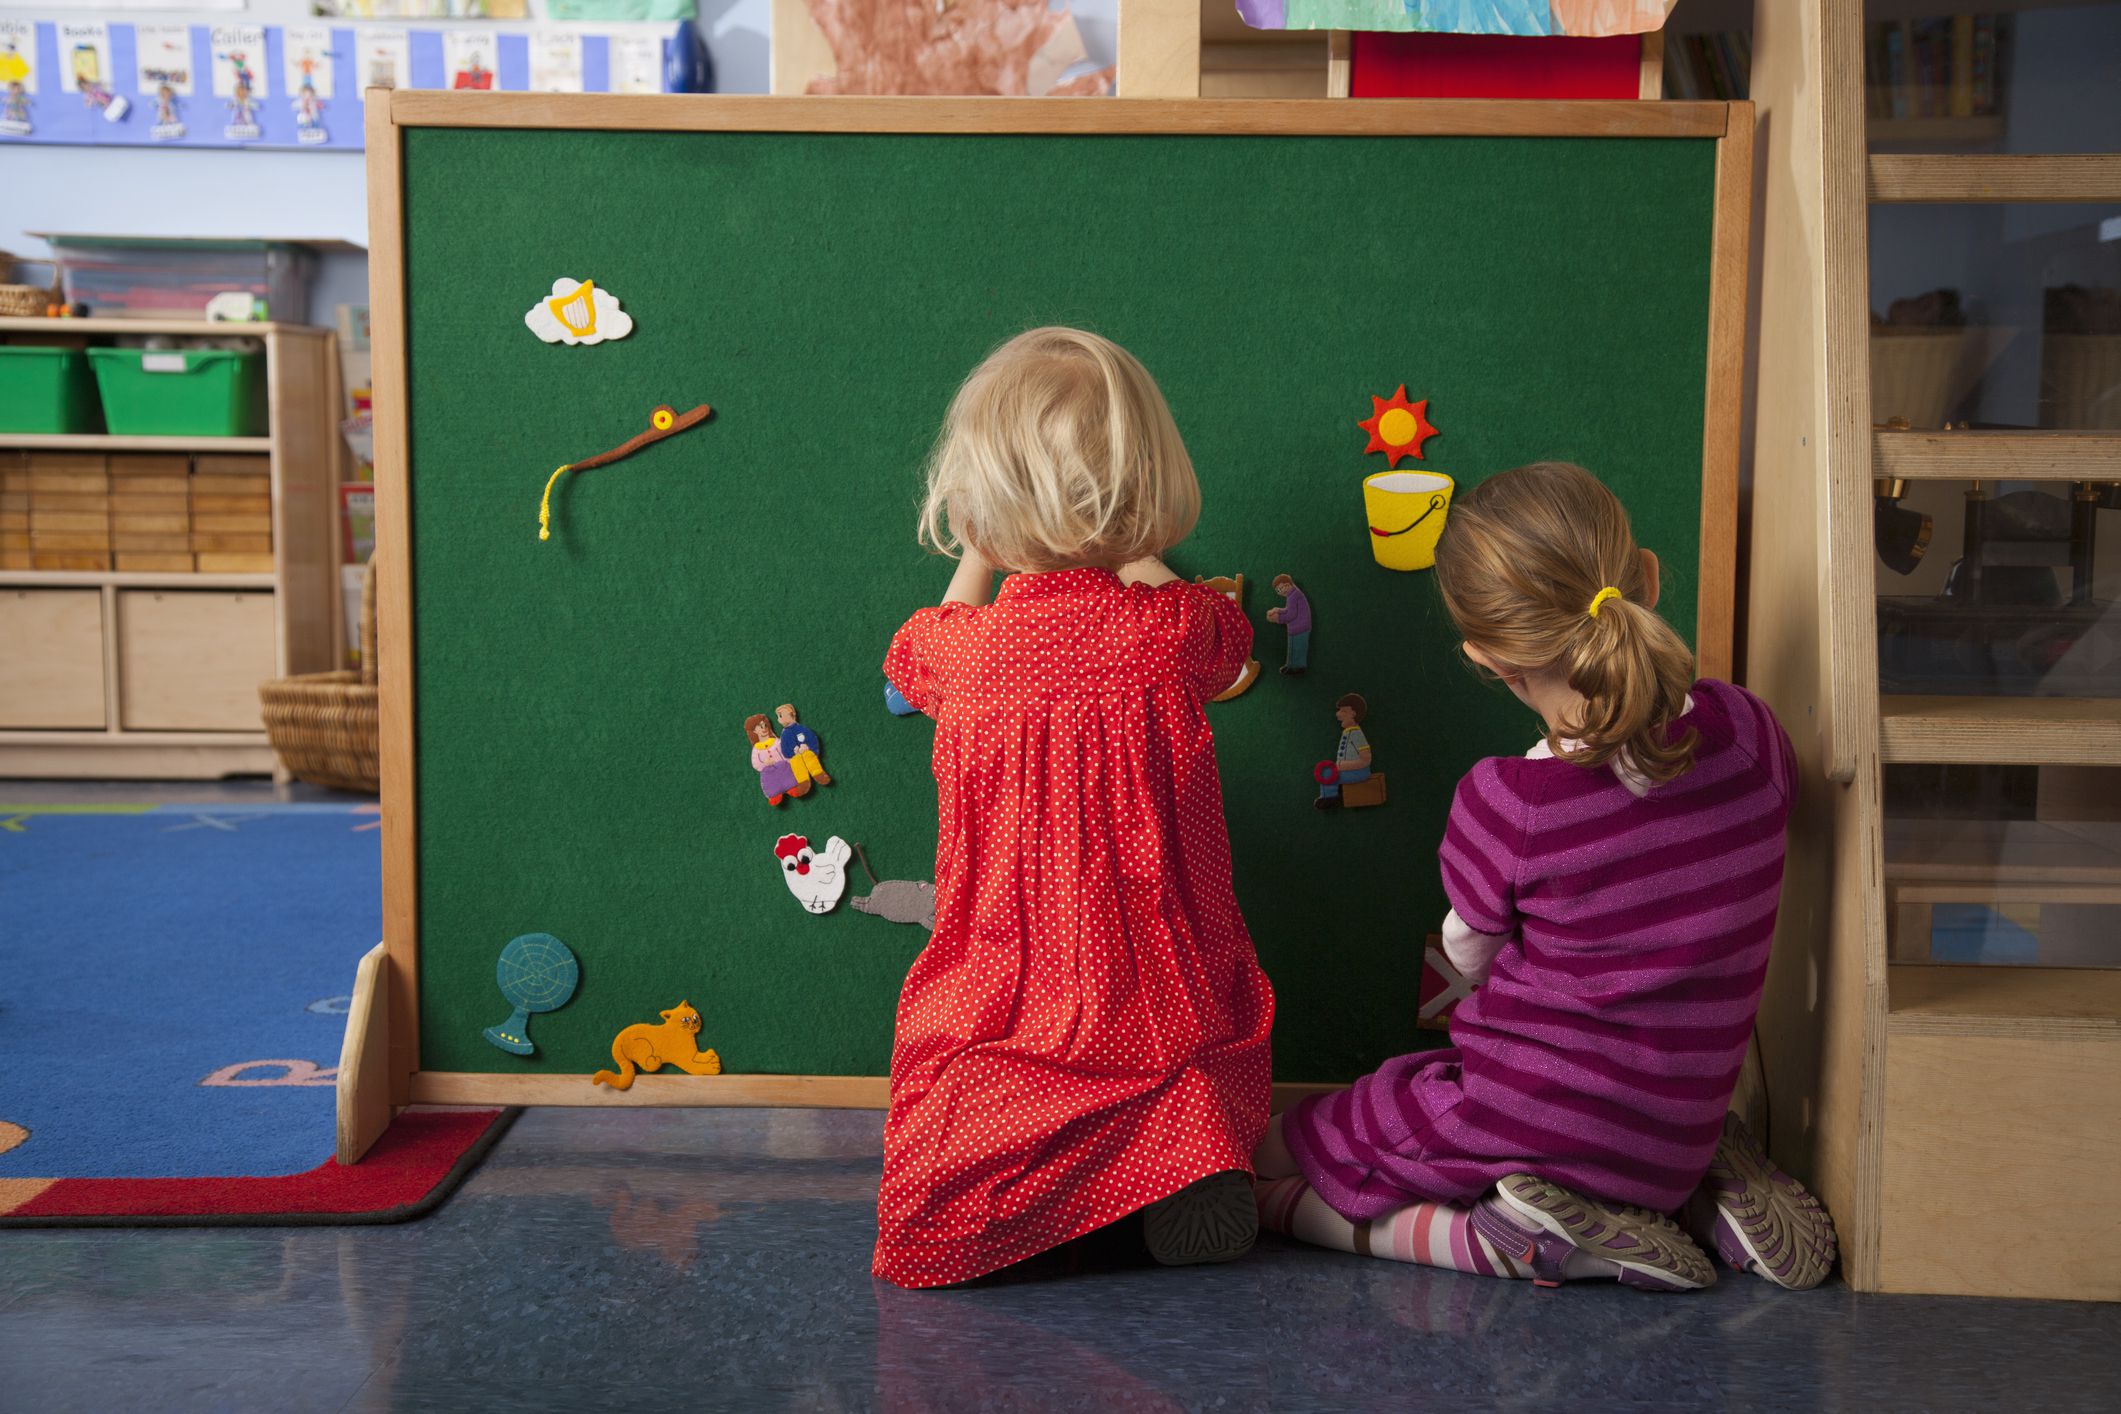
pixel 2001 731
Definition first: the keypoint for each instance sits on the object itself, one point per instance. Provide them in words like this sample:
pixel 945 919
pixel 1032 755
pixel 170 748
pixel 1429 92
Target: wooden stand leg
pixel 364 1060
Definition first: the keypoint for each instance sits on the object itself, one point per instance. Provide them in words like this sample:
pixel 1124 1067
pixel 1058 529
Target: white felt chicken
pixel 817 880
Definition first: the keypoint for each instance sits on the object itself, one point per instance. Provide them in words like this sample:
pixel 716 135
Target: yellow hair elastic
pixel 1597 600
pixel 545 503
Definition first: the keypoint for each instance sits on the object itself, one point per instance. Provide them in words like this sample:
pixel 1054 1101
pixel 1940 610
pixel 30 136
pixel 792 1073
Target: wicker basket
pixel 1923 374
pixel 2080 380
pixel 26 301
pixel 323 725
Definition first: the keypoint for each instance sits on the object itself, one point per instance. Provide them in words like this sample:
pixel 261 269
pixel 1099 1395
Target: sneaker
pixel 1545 1226
pixel 1757 1217
pixel 1213 1219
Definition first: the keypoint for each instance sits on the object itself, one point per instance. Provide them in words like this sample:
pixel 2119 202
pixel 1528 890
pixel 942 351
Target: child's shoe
pixel 1564 1236
pixel 1757 1217
pixel 1213 1219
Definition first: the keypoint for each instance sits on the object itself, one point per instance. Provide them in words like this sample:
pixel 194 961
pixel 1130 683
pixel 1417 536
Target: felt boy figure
pixel 1295 616
pixel 1352 758
pixel 800 744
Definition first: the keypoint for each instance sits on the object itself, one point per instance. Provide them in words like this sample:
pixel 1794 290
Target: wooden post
pixel 1340 63
pixel 1159 49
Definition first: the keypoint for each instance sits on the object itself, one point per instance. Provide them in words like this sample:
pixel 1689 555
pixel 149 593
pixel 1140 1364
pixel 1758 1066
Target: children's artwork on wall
pixel 1232 587
pixel 1406 511
pixel 1442 988
pixel 577 312
pixel 975 47
pixel 162 54
pixel 816 879
pixel 239 78
pixel 537 973
pixel 85 67
pixel 800 745
pixel 468 59
pixel 306 51
pixel 649 1046
pixel 555 61
pixel 1397 427
pixel 1294 616
pixel 664 421
pixel 385 59
pixel 776 775
pixel 896 900
pixel 1582 18
pixel 1348 780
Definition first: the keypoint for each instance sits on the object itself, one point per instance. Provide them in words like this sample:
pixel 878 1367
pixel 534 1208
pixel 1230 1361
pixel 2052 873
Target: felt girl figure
pixel 1616 890
pixel 776 776
pixel 1085 1035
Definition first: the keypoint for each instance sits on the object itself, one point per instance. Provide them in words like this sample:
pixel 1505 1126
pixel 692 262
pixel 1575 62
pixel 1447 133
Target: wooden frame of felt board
pixel 381 1067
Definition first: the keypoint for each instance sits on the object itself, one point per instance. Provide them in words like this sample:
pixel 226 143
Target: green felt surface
pixel 582 769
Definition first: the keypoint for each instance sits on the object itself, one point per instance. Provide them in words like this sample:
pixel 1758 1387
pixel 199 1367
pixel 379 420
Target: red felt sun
pixel 1397 427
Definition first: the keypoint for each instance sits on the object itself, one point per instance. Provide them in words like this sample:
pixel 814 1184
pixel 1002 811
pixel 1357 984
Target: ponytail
pixel 1539 567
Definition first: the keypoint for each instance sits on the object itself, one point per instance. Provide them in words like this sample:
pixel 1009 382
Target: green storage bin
pixel 181 392
pixel 47 390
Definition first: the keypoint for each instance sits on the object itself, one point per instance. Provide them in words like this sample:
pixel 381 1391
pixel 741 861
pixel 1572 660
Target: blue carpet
pixel 147 957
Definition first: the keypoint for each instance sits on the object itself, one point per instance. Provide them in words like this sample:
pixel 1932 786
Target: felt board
pixel 580 761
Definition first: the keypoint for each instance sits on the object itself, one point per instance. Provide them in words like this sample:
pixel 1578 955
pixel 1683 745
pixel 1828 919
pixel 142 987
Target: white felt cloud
pixel 577 312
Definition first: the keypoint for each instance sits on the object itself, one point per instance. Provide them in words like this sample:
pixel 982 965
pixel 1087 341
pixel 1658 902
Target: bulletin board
pixel 563 720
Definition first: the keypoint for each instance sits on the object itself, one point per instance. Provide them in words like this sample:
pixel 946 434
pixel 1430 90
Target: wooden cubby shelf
pixel 2015 1002
pixel 1964 177
pixel 99 442
pixel 1990 456
pixel 2001 731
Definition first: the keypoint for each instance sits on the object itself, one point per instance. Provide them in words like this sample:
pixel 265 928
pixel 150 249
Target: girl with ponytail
pixel 1614 892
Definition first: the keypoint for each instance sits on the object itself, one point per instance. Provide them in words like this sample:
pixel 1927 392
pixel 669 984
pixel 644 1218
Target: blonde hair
pixel 1523 556
pixel 1059 450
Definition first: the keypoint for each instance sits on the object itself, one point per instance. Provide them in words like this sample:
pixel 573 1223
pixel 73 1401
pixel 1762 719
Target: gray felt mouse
pixel 896 900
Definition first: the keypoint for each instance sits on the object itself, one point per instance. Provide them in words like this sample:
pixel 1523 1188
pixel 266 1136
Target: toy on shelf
pixel 817 880
pixel 776 776
pixel 577 312
pixel 664 421
pixel 1347 779
pixel 1294 616
pixel 650 1046
pixel 537 973
pixel 799 744
pixel 1232 587
pixel 1397 427
pixel 1406 511
pixel 896 900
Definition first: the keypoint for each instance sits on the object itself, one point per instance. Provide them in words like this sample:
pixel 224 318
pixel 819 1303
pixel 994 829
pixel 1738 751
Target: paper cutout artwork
pixel 1583 18
pixel 304 70
pixel 776 773
pixel 896 900
pixel 1233 589
pixel 1442 988
pixel 650 1046
pixel 577 312
pixel 536 974
pixel 1406 511
pixel 18 76
pixel 1001 47
pixel 242 99
pixel 1294 616
pixel 85 67
pixel 168 127
pixel 800 745
pixel 817 880
pixel 1397 427
pixel 162 54
pixel 1347 780
pixel 664 421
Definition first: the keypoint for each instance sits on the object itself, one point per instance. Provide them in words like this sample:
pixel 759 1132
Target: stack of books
pixel 1938 68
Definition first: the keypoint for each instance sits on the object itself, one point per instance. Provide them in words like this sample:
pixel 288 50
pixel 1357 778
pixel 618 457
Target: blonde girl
pixel 1614 891
pixel 1085 1036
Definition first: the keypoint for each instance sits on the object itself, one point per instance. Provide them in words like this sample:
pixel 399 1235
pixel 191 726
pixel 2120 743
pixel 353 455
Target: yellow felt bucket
pixel 1406 510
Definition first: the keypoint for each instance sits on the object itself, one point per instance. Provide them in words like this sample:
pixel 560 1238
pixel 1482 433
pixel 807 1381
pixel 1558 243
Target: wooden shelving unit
pixel 166 664
pixel 1909 1095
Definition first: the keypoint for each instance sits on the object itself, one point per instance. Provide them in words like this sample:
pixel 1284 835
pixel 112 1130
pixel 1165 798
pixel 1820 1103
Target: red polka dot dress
pixel 1086 1032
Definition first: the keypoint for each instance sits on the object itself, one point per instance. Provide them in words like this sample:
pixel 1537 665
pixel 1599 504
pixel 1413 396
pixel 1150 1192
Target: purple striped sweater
pixel 1604 1046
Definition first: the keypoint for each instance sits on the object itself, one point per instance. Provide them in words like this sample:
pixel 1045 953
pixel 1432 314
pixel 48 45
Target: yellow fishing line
pixel 545 503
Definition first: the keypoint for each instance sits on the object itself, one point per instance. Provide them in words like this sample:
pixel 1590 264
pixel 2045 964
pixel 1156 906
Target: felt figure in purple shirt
pixel 1295 616
pixel 776 776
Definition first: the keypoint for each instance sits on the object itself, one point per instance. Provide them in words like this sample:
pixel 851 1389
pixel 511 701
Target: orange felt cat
pixel 651 1047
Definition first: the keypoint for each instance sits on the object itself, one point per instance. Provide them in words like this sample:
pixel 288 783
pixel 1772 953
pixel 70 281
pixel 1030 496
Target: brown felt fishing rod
pixel 664 422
